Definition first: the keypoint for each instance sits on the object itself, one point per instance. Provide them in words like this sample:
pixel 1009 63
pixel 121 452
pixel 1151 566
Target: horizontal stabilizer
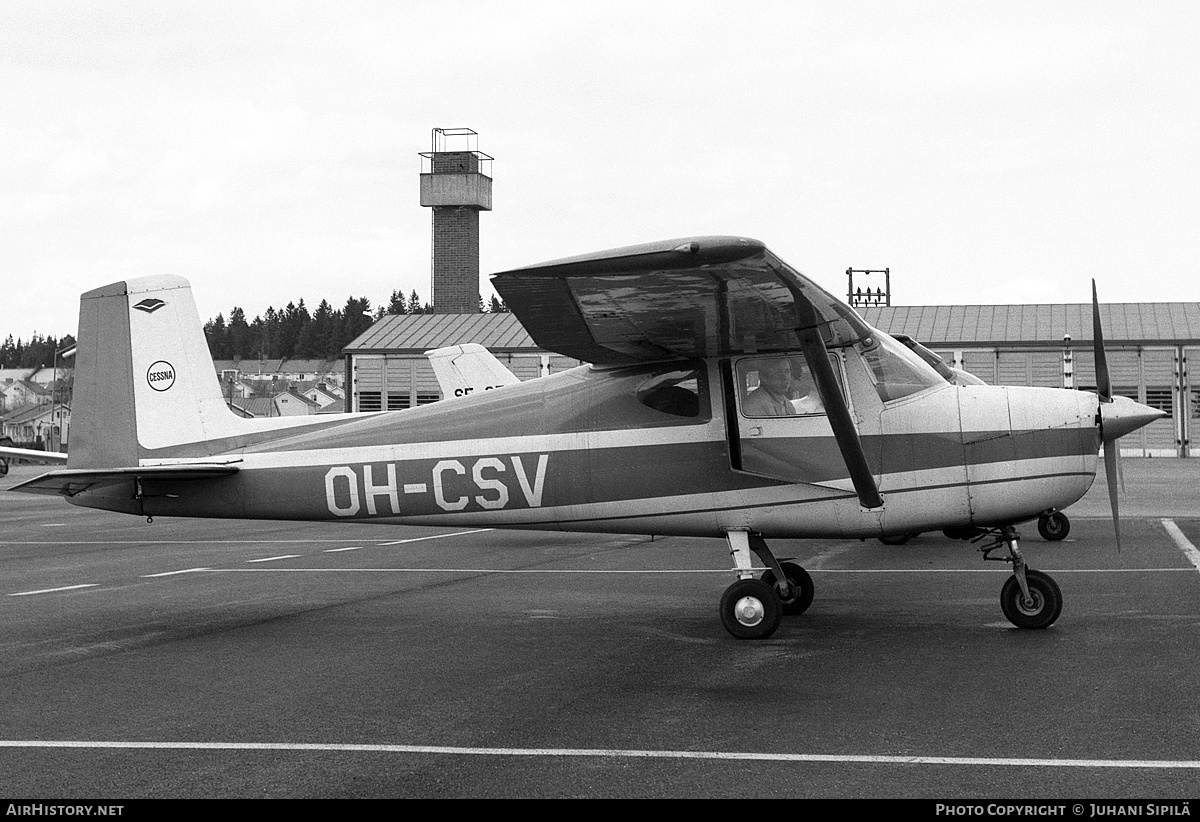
pixel 71 481
pixel 32 455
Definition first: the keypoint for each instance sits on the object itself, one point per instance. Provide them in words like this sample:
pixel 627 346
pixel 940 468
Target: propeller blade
pixel 1117 416
pixel 1112 463
pixel 1108 433
pixel 1121 472
pixel 1103 385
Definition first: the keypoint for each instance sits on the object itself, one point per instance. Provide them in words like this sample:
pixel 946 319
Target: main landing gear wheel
pixel 1044 605
pixel 750 609
pixel 1054 526
pixel 799 582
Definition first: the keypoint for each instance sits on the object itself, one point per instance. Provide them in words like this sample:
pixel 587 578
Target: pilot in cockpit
pixel 783 391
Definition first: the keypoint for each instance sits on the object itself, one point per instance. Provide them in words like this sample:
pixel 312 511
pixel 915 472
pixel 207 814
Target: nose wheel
pixel 1029 599
pixel 1040 609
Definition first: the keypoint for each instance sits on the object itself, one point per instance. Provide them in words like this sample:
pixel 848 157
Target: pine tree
pixel 397 304
pixel 414 304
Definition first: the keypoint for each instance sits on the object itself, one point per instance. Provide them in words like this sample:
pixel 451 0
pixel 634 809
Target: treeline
pixel 39 351
pixel 295 332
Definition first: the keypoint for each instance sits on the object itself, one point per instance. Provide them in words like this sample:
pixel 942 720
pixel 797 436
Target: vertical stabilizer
pixel 468 368
pixel 144 378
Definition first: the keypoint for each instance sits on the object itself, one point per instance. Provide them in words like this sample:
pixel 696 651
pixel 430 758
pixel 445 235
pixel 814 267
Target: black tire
pixel 5 442
pixel 1047 601
pixel 1054 527
pixel 897 539
pixel 801 584
pixel 750 609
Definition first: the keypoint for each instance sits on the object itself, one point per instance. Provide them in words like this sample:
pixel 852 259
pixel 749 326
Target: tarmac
pixel 1153 487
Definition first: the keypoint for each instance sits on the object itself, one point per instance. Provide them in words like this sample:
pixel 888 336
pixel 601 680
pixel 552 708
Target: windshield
pixel 896 371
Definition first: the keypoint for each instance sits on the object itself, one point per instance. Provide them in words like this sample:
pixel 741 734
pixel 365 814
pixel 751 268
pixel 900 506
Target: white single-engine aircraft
pixel 729 396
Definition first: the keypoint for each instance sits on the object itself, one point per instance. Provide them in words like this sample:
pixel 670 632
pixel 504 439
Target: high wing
pixel 692 298
pixel 695 297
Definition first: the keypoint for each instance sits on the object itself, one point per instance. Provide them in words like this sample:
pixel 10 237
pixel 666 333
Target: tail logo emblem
pixel 161 375
pixel 150 305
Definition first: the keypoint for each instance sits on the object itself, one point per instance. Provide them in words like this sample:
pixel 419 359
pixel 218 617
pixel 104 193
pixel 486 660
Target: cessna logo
pixel 150 305
pixel 161 375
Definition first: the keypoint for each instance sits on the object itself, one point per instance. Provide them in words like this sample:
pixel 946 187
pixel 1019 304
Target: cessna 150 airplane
pixel 728 396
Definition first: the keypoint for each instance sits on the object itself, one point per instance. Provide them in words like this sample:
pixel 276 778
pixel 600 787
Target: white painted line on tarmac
pixel 175 541
pixel 461 571
pixel 646 572
pixel 175 573
pixel 439 536
pixel 272 559
pixel 1004 570
pixel 54 590
pixel 336 550
pixel 1190 551
pixel 447 750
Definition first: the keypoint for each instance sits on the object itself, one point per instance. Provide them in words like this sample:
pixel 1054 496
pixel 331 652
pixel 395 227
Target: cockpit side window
pixel 678 393
pixel 779 387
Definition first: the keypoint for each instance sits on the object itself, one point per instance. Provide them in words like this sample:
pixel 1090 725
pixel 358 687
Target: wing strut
pixel 844 429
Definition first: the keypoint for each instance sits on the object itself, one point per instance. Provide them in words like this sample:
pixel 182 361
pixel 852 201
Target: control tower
pixel 456 183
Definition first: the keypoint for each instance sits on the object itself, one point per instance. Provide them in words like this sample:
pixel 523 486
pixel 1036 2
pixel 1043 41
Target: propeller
pixel 1117 417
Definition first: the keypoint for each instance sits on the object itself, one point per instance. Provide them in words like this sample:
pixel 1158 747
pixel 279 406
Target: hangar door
pixel 393 383
pixel 1161 379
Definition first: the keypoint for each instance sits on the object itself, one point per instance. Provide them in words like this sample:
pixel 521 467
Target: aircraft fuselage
pixel 593 449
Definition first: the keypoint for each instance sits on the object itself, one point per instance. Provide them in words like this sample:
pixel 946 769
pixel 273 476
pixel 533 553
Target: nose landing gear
pixel 1029 599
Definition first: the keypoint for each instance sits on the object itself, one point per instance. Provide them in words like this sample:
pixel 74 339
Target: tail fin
pixel 144 379
pixel 463 369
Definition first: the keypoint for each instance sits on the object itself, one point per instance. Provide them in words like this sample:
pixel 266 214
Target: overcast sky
pixel 987 152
